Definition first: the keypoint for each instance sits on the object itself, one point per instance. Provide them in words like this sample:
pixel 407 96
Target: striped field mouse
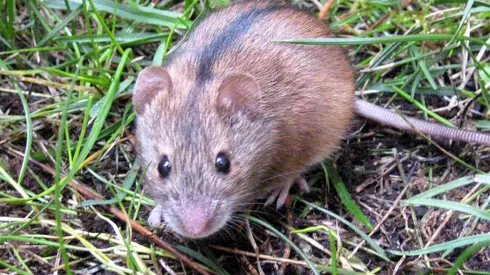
pixel 234 116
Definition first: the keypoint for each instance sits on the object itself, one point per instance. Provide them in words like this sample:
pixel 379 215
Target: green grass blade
pixel 467 10
pixel 13 268
pixel 213 262
pixel 445 246
pixel 35 49
pixel 456 206
pixel 109 32
pixel 423 108
pixel 128 38
pixel 29 132
pixel 10 20
pixel 198 256
pixel 424 68
pixel 467 253
pixel 381 40
pixel 344 194
pixel 61 25
pixel 57 177
pixel 483 178
pixel 284 238
pixel 476 3
pixel 128 183
pixel 159 54
pixel 333 247
pixel 440 91
pixel 84 128
pixel 369 240
pixel 143 14
pixel 443 188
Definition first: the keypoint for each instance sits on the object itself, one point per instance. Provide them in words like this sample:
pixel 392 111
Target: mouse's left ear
pixel 150 82
pixel 238 93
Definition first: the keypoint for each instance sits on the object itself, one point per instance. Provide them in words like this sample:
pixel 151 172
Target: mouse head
pixel 206 150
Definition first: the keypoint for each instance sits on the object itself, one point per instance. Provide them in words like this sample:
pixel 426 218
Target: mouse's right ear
pixel 239 93
pixel 150 82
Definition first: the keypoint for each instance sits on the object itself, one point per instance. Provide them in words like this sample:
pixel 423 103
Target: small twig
pixel 380 21
pixel 5 140
pixel 263 257
pixel 325 9
pixel 51 83
pixel 287 248
pixel 250 267
pixel 254 245
pixel 433 260
pixel 166 267
pixel 287 253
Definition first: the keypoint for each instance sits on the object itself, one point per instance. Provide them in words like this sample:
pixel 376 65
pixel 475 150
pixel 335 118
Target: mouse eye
pixel 164 167
pixel 222 163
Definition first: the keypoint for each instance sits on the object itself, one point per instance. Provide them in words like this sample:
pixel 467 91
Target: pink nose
pixel 195 221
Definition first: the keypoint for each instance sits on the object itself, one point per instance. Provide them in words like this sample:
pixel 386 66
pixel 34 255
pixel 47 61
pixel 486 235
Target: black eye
pixel 222 163
pixel 164 167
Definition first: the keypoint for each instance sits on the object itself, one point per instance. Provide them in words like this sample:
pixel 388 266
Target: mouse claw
pixel 155 218
pixel 282 192
pixel 272 197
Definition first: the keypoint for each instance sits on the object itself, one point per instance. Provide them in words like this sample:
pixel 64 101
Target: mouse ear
pixel 150 82
pixel 238 93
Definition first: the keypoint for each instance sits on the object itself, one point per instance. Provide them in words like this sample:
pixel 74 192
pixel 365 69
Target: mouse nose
pixel 195 221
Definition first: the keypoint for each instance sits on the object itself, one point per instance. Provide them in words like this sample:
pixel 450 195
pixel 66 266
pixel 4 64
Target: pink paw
pixel 155 218
pixel 282 192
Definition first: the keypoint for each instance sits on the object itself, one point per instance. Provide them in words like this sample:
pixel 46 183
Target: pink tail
pixel 387 117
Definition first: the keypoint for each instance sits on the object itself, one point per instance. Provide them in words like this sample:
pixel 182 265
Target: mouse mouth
pixel 197 220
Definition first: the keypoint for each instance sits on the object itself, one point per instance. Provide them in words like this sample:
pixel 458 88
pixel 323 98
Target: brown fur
pixel 292 114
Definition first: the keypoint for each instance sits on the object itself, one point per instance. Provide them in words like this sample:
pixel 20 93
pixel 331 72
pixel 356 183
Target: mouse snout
pixel 196 218
pixel 196 221
pixel 199 219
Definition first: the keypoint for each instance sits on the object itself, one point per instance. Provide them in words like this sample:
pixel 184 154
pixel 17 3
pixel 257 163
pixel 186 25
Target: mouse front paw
pixel 155 218
pixel 281 193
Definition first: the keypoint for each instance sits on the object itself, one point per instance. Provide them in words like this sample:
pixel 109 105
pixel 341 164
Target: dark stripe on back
pixel 221 43
pixel 227 39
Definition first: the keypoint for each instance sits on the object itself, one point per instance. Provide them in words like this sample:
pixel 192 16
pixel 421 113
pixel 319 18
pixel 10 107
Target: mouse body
pixel 234 116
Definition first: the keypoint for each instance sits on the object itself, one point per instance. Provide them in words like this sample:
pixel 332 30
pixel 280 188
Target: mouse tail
pixel 390 118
